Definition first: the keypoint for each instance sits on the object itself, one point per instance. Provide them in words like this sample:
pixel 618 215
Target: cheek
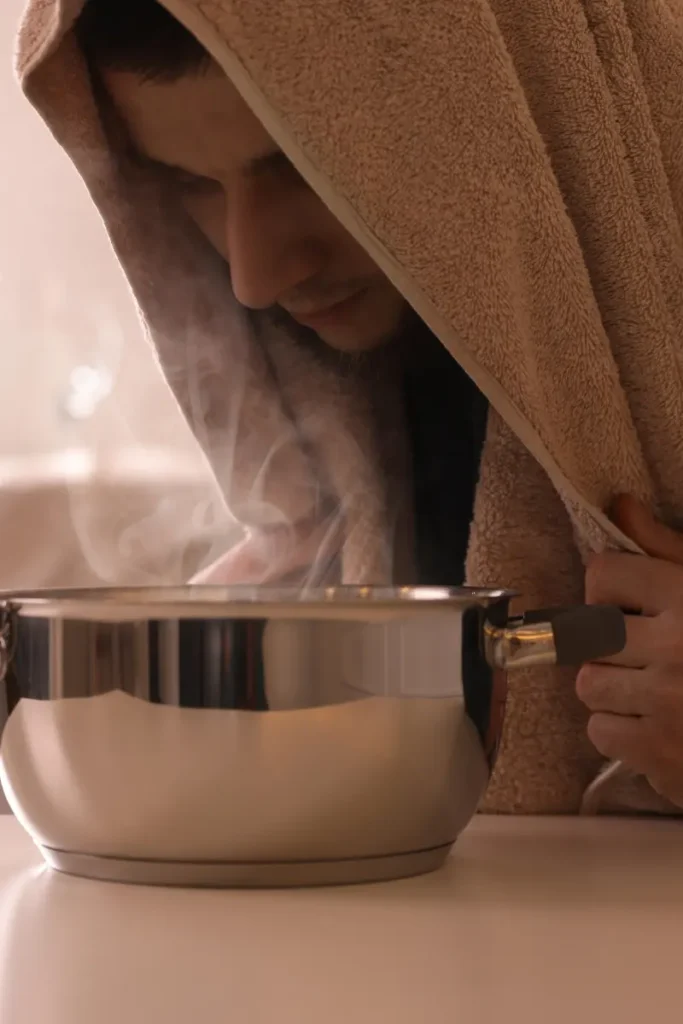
pixel 348 253
pixel 209 214
pixel 315 221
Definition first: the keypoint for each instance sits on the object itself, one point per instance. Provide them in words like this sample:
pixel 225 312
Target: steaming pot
pixel 256 737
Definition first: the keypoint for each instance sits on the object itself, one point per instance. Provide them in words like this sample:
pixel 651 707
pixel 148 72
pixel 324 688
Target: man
pixel 292 212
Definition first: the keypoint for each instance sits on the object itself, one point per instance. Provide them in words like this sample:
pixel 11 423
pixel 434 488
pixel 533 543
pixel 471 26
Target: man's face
pixel 285 250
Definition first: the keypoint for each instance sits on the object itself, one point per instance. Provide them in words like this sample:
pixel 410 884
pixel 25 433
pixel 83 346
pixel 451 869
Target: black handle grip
pixel 585 633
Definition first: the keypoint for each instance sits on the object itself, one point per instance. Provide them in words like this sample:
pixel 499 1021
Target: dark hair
pixel 139 36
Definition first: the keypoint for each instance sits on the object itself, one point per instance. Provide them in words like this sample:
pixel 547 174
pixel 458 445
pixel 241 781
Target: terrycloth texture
pixel 515 166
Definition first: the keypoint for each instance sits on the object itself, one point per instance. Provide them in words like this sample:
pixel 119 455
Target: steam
pixel 284 490
pixel 283 483
pixel 149 516
pixel 102 504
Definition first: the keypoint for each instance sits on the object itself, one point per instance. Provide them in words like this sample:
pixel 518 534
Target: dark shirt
pixel 446 415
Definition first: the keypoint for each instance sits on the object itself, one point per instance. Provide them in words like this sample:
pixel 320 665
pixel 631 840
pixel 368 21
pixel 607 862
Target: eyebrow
pixel 267 162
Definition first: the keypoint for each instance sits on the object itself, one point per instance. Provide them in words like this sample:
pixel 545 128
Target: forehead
pixel 198 122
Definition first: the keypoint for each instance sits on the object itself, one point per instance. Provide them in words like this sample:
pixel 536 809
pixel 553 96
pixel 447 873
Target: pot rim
pixel 244 602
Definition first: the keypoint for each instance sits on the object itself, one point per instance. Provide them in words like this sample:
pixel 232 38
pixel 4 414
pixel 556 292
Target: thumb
pixel 636 520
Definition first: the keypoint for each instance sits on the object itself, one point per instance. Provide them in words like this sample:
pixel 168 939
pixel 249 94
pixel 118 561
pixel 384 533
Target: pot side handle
pixel 557 636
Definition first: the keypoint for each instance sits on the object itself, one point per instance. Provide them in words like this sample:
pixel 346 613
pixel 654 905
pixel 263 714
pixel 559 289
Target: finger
pixel 651 641
pixel 622 739
pixel 642 644
pixel 634 582
pixel 637 521
pixel 617 691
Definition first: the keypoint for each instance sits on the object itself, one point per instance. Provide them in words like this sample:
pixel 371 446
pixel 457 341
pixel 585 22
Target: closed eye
pixel 184 181
pixel 191 183
pixel 277 164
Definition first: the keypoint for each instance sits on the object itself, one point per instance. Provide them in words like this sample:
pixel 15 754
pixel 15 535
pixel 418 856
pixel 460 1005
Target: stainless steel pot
pixel 250 736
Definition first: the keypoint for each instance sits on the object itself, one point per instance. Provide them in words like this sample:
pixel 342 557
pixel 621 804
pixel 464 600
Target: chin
pixel 361 333
pixel 352 342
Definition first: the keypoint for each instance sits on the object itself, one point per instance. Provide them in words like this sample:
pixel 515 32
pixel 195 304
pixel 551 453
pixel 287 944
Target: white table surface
pixel 537 921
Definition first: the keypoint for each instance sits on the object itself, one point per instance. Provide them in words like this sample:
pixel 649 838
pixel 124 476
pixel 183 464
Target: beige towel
pixel 515 167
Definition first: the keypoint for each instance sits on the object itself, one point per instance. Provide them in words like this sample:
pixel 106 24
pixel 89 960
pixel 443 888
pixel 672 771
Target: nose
pixel 271 246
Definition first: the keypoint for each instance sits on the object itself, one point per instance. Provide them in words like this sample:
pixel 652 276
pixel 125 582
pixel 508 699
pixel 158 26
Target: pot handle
pixel 556 636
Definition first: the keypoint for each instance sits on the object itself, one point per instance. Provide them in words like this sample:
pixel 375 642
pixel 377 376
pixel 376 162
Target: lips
pixel 329 315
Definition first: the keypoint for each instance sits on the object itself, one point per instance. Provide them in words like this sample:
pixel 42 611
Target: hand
pixel 636 697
